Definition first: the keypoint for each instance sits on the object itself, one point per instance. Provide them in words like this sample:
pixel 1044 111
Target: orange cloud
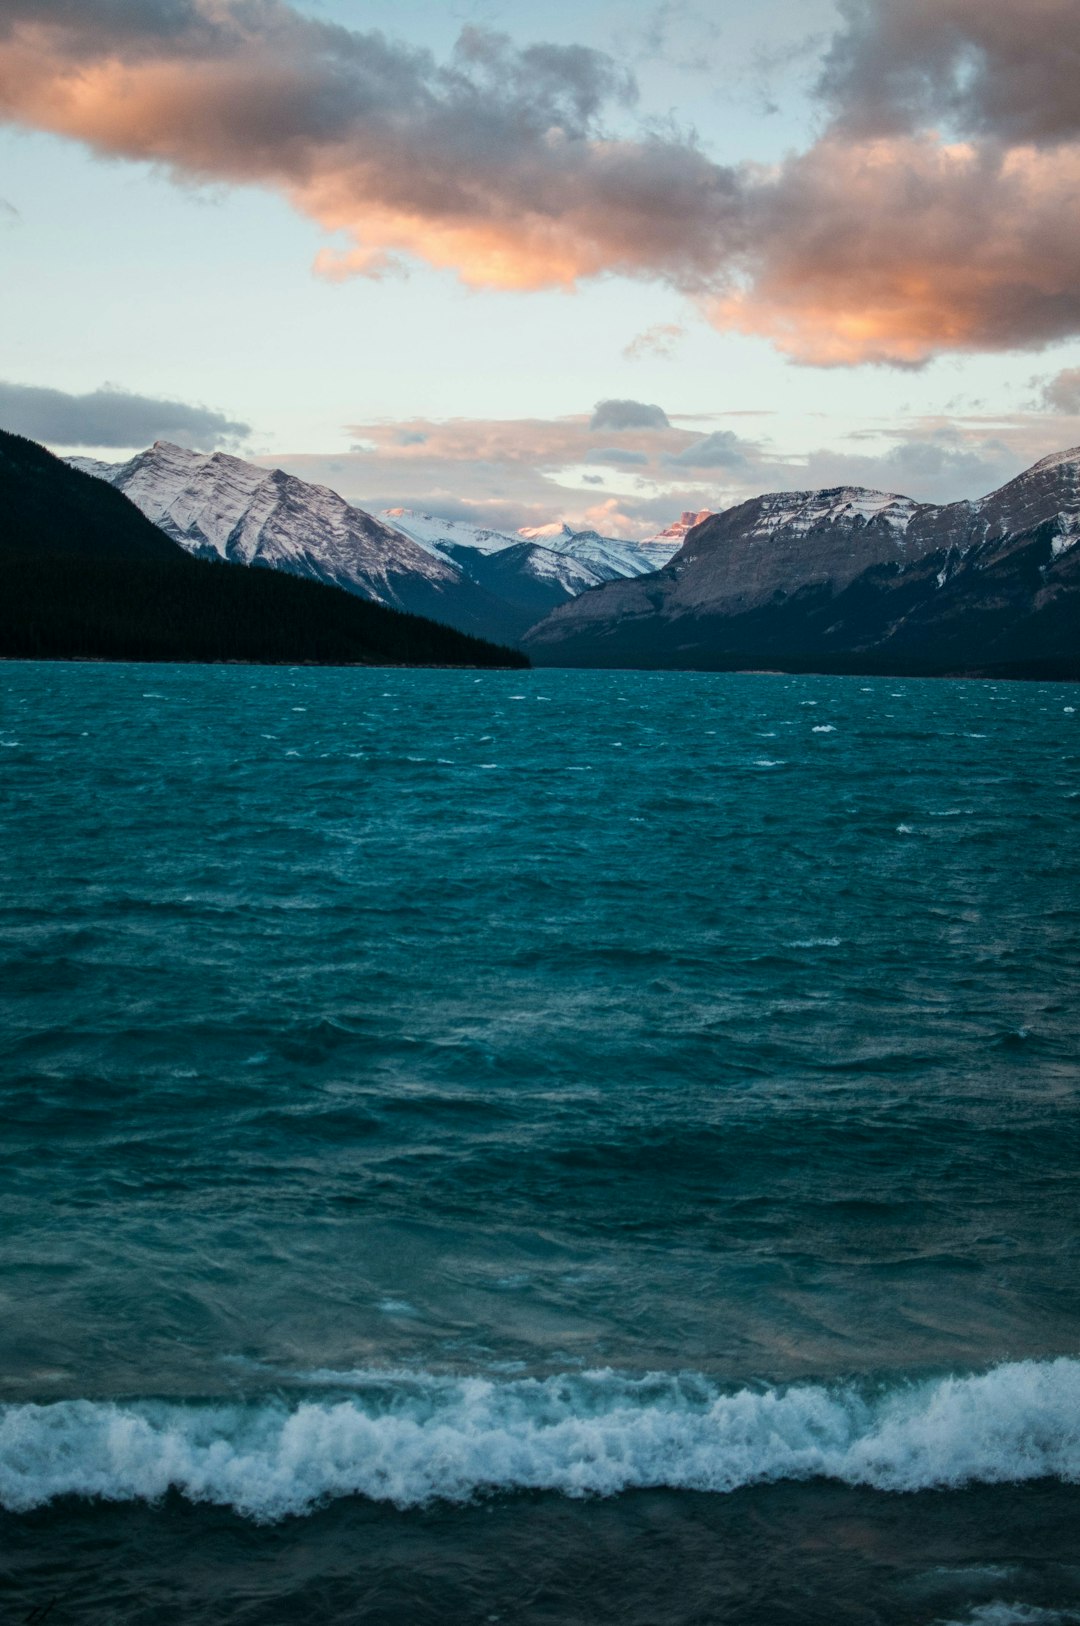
pixel 496 167
pixel 502 166
pixel 894 249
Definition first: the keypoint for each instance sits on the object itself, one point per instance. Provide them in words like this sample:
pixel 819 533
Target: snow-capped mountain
pixel 851 578
pixel 436 534
pixel 611 557
pixel 482 581
pixel 528 579
pixel 223 507
pixel 606 558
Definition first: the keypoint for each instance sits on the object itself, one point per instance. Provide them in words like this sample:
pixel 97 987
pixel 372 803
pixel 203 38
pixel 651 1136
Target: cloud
pixel 893 250
pixel 720 450
pixel 885 241
pixel 659 340
pixel 498 163
pixel 617 454
pixel 628 415
pixel 933 462
pixel 112 417
pixel 988 68
pixel 1062 393
pixel 509 473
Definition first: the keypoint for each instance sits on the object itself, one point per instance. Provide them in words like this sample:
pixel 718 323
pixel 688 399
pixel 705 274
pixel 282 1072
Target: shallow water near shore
pixel 538 1146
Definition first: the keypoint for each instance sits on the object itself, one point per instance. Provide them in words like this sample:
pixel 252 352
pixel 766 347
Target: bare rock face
pixel 847 577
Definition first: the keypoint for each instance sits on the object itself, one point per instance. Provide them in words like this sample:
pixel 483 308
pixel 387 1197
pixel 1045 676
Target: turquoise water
pixel 539 1146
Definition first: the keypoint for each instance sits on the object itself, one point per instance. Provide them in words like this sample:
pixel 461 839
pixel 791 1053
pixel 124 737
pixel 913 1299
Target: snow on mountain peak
pixel 219 506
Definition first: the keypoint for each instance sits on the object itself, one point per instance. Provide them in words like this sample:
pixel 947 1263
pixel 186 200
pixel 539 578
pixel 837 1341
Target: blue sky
pixel 178 285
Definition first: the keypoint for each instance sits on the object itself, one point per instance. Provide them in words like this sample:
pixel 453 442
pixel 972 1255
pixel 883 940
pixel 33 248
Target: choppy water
pixel 559 1147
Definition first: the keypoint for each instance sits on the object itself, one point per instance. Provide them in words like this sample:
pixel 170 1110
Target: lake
pixel 538 1146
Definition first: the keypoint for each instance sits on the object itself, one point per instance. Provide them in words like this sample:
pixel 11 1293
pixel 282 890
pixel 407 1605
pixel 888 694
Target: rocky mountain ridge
pixel 850 579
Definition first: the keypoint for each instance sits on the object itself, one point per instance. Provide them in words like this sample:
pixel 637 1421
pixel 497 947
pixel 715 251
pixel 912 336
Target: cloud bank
pixel 935 212
pixel 511 473
pixel 112 417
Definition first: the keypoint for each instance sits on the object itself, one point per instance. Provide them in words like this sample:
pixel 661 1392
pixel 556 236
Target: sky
pixel 602 261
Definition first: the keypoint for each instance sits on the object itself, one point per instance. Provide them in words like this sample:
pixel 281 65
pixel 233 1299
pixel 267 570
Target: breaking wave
pixel 408 1439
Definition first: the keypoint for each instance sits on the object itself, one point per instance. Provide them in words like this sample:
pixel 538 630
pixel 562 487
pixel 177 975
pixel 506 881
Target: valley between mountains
pixel 842 580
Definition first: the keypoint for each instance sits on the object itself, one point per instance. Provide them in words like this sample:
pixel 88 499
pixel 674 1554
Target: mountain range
pixel 852 580
pixel 845 579
pixel 484 582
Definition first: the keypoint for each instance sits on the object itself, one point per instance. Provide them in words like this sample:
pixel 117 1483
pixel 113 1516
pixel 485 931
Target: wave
pixel 410 1439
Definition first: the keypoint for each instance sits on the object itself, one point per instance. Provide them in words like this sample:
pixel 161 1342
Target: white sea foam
pixel 1000 1613
pixel 410 1438
pixel 823 728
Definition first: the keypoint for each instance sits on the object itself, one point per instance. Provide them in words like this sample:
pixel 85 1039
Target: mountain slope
pixel 221 507
pixel 85 574
pixel 609 556
pixel 75 515
pixel 528 581
pixel 606 557
pixel 850 579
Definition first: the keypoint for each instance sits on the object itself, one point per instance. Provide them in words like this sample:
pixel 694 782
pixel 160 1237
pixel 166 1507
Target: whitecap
pixel 905 830
pixel 823 728
pixel 410 1438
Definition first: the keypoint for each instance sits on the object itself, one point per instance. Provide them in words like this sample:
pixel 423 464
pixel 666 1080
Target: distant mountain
pixel 85 573
pixel 437 535
pixel 534 570
pixel 527 581
pixel 676 531
pixel 524 579
pixel 852 580
pixel 611 556
pixel 606 558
